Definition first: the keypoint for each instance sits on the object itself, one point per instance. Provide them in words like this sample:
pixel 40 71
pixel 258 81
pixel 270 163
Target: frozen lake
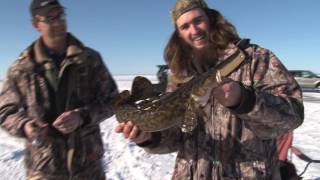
pixel 125 161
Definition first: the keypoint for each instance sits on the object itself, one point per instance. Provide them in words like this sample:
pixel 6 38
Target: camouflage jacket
pixel 36 90
pixel 238 143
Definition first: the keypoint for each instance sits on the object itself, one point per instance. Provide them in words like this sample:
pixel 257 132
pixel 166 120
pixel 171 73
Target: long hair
pixel 178 53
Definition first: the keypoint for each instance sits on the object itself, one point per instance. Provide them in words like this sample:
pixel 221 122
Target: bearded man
pixel 235 135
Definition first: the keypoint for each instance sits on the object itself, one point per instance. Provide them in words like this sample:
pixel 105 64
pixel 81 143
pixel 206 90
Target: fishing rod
pixel 303 157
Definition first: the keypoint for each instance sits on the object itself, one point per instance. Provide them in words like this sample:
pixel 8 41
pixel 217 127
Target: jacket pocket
pixel 253 170
pixel 83 83
pixel 48 156
pixel 89 149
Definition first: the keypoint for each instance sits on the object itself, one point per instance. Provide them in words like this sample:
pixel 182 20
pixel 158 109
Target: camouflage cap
pixel 42 7
pixel 182 6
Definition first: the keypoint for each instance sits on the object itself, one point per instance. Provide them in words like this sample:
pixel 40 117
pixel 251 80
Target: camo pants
pixel 94 172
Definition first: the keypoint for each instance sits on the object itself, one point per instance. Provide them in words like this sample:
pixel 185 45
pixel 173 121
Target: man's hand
pixel 31 129
pixel 35 132
pixel 68 121
pixel 132 132
pixel 228 93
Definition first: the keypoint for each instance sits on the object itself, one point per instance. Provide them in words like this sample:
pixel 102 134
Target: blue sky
pixel 131 35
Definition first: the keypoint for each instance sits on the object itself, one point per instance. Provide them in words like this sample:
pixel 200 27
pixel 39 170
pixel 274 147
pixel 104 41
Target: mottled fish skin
pixel 158 112
pixel 152 112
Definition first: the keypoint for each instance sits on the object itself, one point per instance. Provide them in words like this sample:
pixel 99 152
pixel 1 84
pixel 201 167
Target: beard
pixel 204 58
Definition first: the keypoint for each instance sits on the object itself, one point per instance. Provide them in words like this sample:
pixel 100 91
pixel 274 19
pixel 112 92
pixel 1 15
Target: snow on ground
pixel 125 161
pixel 307 136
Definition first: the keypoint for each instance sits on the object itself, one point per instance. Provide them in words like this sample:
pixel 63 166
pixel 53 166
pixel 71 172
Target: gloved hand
pixel 68 121
pixel 33 130
pixel 228 93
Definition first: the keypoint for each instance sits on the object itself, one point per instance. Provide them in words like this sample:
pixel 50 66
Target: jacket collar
pixel 228 52
pixel 74 47
pixel 233 48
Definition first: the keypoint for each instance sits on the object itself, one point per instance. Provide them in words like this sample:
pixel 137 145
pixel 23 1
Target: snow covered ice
pixel 125 161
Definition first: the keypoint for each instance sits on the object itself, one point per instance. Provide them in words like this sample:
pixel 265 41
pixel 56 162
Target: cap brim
pixel 44 11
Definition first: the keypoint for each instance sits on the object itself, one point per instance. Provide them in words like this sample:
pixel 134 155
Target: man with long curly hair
pixel 235 134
